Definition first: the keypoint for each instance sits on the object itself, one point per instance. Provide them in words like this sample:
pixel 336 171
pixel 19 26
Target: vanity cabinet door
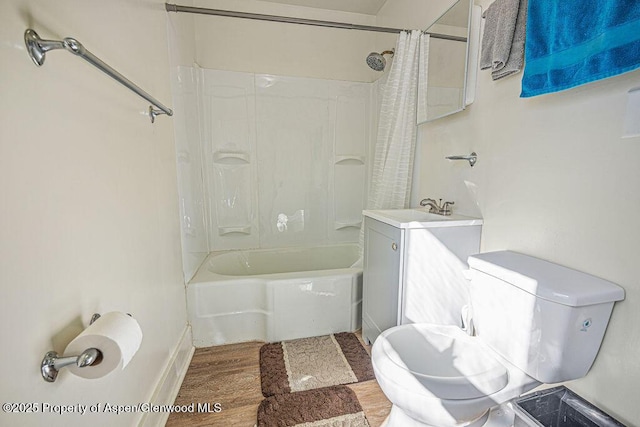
pixel 382 277
pixel 434 288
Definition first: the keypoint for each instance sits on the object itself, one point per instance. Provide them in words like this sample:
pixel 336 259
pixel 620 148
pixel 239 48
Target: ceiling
pixel 368 7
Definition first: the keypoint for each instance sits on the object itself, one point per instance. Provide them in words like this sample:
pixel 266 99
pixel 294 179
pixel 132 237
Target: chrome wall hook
pixel 52 363
pixel 472 158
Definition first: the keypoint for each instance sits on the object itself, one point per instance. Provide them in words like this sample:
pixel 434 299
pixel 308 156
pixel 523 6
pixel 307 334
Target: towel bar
pixel 38 48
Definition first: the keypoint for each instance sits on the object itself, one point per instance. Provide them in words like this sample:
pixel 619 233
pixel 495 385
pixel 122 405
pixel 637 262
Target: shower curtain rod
pixel 289 20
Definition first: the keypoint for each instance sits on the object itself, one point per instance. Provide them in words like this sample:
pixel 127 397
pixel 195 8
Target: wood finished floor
pixel 230 375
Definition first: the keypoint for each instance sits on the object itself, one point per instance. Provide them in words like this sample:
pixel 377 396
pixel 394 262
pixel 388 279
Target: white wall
pixel 252 46
pixel 89 218
pixel 411 14
pixel 554 180
pixel 181 30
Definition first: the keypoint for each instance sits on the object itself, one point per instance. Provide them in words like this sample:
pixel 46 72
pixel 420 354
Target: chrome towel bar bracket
pixel 38 48
pixel 472 158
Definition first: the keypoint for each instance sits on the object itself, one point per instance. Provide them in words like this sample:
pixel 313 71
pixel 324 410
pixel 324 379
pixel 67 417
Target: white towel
pixel 504 36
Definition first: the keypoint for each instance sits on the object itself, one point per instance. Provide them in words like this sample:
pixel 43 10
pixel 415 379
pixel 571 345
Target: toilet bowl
pixel 535 322
pixel 439 376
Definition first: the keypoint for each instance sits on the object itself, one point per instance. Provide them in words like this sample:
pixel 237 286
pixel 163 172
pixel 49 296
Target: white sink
pixel 419 218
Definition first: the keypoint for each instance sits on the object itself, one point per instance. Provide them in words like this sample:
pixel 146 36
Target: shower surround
pixel 268 161
pixel 264 163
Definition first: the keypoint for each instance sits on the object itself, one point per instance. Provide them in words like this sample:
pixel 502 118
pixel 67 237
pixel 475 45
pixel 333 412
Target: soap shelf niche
pixel 349 160
pixel 349 174
pixel 232 169
pixel 231 157
pixel 245 229
pixel 338 225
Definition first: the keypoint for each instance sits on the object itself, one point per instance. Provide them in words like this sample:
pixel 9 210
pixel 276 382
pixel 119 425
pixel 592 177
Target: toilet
pixel 530 322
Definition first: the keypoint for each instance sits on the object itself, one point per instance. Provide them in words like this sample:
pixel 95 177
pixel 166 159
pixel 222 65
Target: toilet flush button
pixel 586 324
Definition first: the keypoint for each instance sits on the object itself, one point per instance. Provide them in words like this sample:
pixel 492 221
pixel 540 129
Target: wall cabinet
pixel 413 268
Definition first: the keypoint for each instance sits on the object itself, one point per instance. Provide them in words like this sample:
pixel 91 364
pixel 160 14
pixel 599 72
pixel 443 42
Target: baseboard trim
pixel 168 387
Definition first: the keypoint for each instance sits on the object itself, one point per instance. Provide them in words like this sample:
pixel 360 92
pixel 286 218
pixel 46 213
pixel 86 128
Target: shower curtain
pixel 396 140
pixel 390 185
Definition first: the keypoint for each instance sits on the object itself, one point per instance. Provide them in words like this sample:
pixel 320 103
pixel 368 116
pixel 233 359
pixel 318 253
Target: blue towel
pixel 573 42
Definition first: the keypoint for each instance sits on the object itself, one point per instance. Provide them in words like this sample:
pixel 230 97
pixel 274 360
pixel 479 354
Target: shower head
pixel 376 60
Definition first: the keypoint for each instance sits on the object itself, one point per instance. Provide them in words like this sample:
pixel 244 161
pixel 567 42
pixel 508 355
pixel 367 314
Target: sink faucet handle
pixel 432 204
pixel 445 208
pixel 425 202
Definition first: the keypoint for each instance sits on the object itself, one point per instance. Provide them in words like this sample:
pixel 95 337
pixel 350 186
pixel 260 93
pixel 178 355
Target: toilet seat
pixel 440 361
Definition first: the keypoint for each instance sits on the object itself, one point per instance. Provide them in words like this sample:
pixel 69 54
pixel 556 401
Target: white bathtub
pixel 275 294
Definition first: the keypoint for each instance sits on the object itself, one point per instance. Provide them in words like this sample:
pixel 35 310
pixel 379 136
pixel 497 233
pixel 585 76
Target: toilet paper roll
pixel 116 335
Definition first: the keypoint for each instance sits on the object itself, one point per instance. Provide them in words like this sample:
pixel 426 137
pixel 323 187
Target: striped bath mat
pixel 323 407
pixel 310 363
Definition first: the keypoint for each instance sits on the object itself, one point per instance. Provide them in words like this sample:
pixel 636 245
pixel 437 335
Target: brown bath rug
pixel 310 363
pixel 323 407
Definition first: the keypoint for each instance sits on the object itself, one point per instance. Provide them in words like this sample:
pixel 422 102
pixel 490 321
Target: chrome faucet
pixel 433 205
pixel 437 207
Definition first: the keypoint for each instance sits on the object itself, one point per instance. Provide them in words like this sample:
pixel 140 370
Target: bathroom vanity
pixel 413 267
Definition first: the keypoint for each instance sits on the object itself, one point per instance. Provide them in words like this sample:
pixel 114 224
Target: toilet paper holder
pixel 52 362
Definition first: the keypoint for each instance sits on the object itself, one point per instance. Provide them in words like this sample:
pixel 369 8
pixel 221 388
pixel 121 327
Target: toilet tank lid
pixel 547 280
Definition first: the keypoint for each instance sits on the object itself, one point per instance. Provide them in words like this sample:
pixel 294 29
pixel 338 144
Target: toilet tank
pixel 546 319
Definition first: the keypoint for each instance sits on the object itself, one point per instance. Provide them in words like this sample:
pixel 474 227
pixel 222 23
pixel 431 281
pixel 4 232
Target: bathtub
pixel 275 294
